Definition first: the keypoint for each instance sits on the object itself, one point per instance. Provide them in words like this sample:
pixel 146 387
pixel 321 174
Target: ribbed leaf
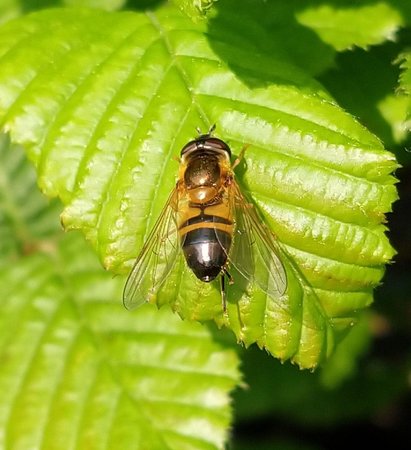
pixel 351 23
pixel 78 371
pixel 103 102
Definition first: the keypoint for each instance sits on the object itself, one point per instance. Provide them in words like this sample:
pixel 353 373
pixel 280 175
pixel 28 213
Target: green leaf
pixel 308 34
pixel 103 102
pixel 107 5
pixel 9 9
pixel 345 24
pixel 27 220
pixel 405 83
pixel 394 109
pixel 195 9
pixel 75 364
pixel 78 371
pixel 343 363
pixel 268 28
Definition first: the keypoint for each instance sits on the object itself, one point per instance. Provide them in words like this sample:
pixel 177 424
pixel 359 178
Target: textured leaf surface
pixel 78 371
pixel 350 23
pixel 103 102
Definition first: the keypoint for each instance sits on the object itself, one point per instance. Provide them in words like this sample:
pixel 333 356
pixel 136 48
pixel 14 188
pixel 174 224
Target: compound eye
pixel 188 147
pixel 205 142
pixel 215 143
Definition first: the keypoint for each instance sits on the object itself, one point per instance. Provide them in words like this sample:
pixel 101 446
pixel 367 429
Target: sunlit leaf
pixel 104 102
pixel 351 23
pixel 80 371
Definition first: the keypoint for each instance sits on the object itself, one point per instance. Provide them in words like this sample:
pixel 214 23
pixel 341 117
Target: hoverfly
pixel 207 218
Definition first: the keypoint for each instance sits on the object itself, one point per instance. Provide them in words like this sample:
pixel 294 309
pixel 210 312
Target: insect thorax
pixel 202 177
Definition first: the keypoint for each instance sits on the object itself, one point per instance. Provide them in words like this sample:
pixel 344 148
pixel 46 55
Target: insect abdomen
pixel 206 243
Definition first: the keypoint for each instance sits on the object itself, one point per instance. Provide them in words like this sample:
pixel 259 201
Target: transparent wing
pixel 156 258
pixel 255 250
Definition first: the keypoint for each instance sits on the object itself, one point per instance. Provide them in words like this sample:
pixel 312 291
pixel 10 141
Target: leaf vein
pixel 25 375
pixel 185 78
pixel 50 133
pixel 113 175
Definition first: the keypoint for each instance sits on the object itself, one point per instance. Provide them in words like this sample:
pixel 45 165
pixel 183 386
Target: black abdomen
pixel 205 250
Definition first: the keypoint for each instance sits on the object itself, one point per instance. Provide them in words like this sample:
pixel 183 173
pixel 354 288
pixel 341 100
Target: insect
pixel 208 219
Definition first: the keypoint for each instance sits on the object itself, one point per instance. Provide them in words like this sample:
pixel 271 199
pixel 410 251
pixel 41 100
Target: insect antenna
pixel 210 130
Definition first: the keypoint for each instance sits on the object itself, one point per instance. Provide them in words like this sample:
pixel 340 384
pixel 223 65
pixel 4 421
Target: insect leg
pixel 240 156
pixel 230 278
pixel 223 292
pixel 224 274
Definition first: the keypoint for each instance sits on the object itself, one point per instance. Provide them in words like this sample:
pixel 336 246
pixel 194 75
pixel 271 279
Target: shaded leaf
pixel 103 102
pixel 373 99
pixel 269 28
pixel 309 34
pixel 343 364
pixel 27 219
